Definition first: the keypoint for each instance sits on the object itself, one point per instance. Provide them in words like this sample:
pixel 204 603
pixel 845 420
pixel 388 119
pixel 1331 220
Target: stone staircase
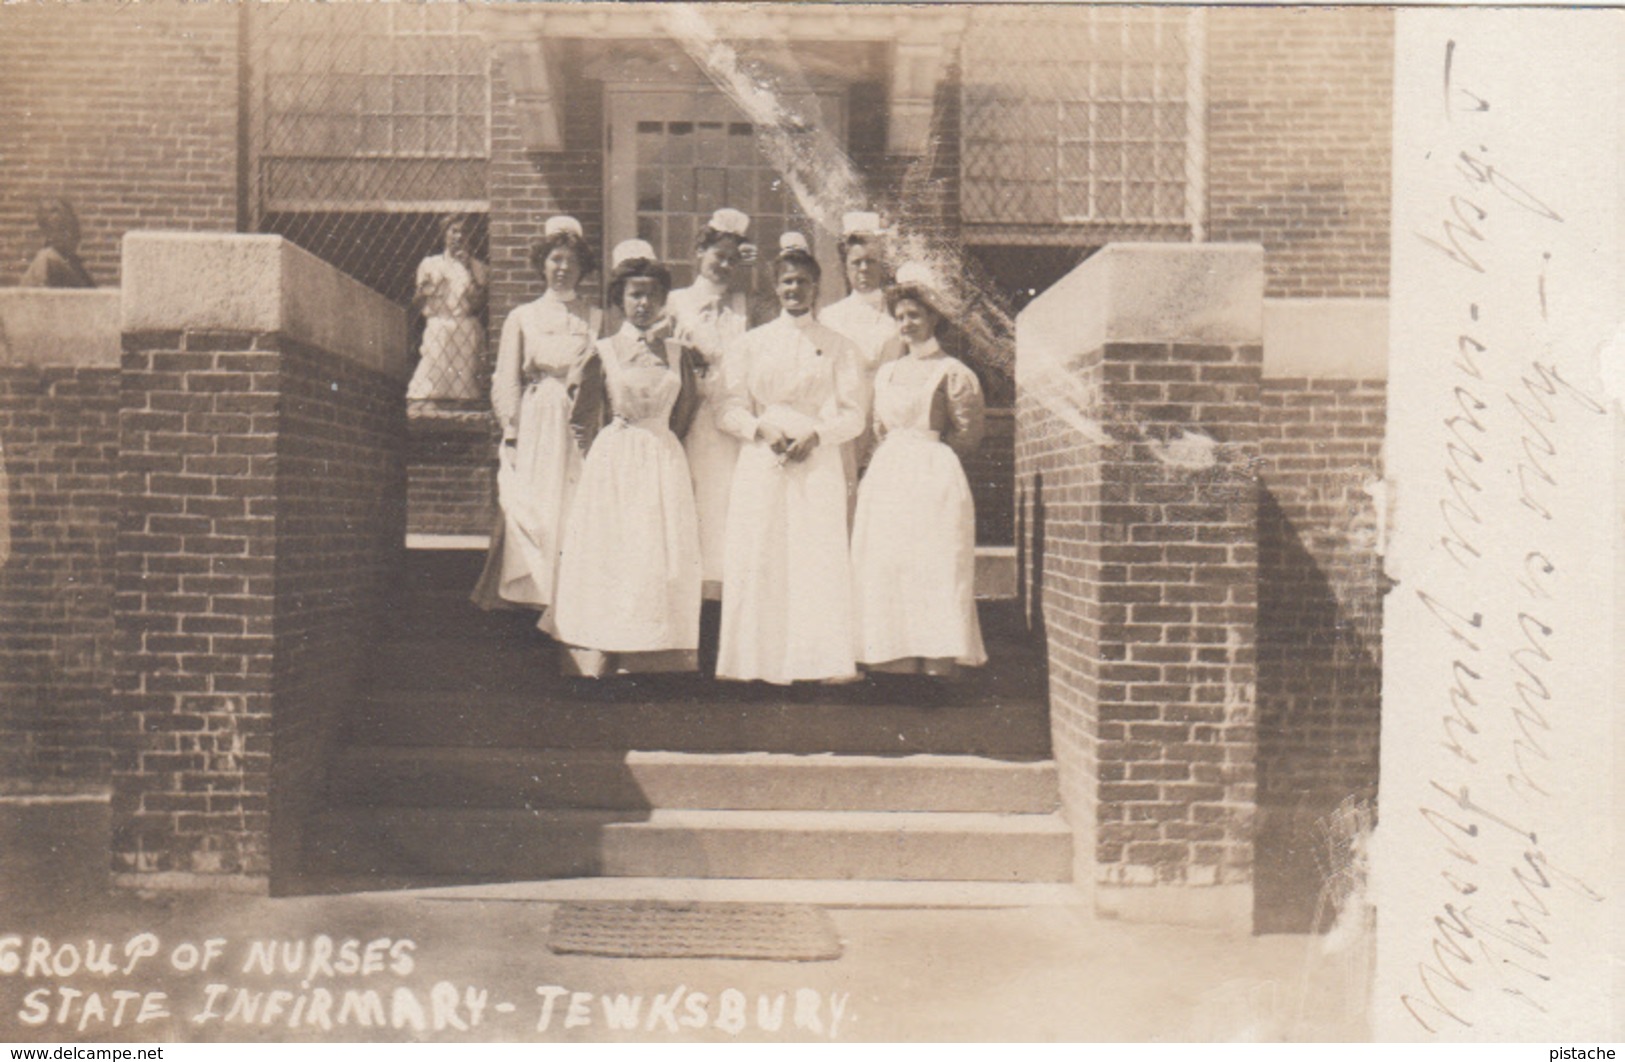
pixel 469 760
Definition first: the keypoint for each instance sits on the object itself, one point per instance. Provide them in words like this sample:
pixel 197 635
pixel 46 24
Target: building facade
pixel 1008 143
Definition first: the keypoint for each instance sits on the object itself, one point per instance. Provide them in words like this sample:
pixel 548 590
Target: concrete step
pixel 716 717
pixel 816 891
pixel 749 781
pixel 506 659
pixel 868 845
pixel 445 567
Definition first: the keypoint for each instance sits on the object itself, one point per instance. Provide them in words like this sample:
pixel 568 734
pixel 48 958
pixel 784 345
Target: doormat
pixel 648 929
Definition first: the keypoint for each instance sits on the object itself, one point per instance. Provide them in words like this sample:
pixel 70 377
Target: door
pixel 678 152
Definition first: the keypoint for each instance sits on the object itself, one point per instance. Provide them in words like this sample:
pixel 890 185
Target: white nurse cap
pixel 563 223
pixel 730 221
pixel 860 223
pixel 627 250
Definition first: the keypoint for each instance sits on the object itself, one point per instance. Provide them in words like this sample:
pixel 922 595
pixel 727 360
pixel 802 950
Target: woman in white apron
pixel 914 536
pixel 542 343
pixel 629 576
pixel 450 293
pixel 795 393
pixel 709 316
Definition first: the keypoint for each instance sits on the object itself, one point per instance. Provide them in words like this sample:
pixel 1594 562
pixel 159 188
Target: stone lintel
pixel 922 39
pixel 229 282
pixel 1194 293
pixel 60 328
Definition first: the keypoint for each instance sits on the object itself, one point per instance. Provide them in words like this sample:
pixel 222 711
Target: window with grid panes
pixel 1080 117
pixel 372 104
pixel 687 169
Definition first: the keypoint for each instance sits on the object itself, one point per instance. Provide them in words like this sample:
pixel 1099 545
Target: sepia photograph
pixel 626 522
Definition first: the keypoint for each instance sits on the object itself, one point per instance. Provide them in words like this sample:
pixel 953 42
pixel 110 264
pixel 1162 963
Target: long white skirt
pixel 712 455
pixel 535 493
pixel 787 608
pixel 914 557
pixel 452 350
pixel 629 576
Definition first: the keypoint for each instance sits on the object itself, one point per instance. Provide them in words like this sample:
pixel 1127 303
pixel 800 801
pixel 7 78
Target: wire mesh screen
pixel 369 123
pixel 1081 117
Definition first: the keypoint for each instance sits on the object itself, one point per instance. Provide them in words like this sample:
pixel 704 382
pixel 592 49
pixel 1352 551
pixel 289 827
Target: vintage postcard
pixel 826 522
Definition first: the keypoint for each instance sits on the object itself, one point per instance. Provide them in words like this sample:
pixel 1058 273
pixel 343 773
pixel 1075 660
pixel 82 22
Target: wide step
pixel 751 781
pixel 441 843
pixel 1002 729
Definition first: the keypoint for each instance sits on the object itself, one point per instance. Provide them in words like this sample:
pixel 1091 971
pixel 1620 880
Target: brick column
pixel 1137 435
pixel 261 439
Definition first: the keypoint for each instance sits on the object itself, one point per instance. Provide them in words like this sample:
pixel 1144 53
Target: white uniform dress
pixel 542 343
pixel 710 320
pixel 629 577
pixel 862 318
pixel 914 537
pixel 453 338
pixel 787 613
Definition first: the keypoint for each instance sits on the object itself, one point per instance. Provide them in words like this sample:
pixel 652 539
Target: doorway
pixel 677 152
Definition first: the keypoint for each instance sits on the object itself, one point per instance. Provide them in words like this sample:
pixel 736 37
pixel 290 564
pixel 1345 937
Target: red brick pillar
pixel 1137 437
pixel 261 439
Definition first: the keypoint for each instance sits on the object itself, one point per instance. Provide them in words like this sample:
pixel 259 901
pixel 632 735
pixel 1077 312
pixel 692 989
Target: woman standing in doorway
pixel 710 315
pixel 794 394
pixel 542 341
pixel 629 576
pixel 914 537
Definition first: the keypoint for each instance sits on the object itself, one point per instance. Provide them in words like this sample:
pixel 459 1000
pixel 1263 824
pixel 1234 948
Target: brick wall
pixel 1135 470
pixel 196 601
pixel 58 441
pixel 261 490
pixel 1321 580
pixel 340 527
pixel 1299 131
pixel 451 475
pixel 528 187
pixel 261 494
pixel 1147 574
pixel 1320 628
pixel 130 112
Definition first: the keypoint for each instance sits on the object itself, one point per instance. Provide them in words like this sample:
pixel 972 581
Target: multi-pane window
pixel 369 105
pixel 1081 117
pixel 687 169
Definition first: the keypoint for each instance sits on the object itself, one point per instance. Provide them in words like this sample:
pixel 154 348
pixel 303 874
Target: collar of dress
pixel 708 291
pixel 801 322
pixel 632 332
pixel 875 300
pixel 929 349
pixel 552 296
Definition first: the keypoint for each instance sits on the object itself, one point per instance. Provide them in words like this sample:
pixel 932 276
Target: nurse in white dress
pixel 709 317
pixel 795 393
pixel 450 292
pixel 629 576
pixel 542 343
pixel 863 318
pixel 914 537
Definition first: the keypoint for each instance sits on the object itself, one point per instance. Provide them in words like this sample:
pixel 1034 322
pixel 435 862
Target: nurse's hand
pixel 798 449
pixel 774 436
